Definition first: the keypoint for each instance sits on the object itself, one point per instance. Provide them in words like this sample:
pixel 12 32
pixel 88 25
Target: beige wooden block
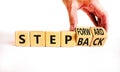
pixel 67 38
pixel 52 39
pixel 22 38
pixel 99 36
pixel 37 38
pixel 83 36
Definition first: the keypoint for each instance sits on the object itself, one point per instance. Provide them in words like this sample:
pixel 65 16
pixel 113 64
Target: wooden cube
pixel 52 39
pixel 67 38
pixel 22 38
pixel 83 36
pixel 99 36
pixel 37 38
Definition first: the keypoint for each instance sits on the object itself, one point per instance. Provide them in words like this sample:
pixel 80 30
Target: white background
pixel 51 15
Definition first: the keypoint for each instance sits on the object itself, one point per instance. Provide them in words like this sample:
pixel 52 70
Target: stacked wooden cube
pixel 83 36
